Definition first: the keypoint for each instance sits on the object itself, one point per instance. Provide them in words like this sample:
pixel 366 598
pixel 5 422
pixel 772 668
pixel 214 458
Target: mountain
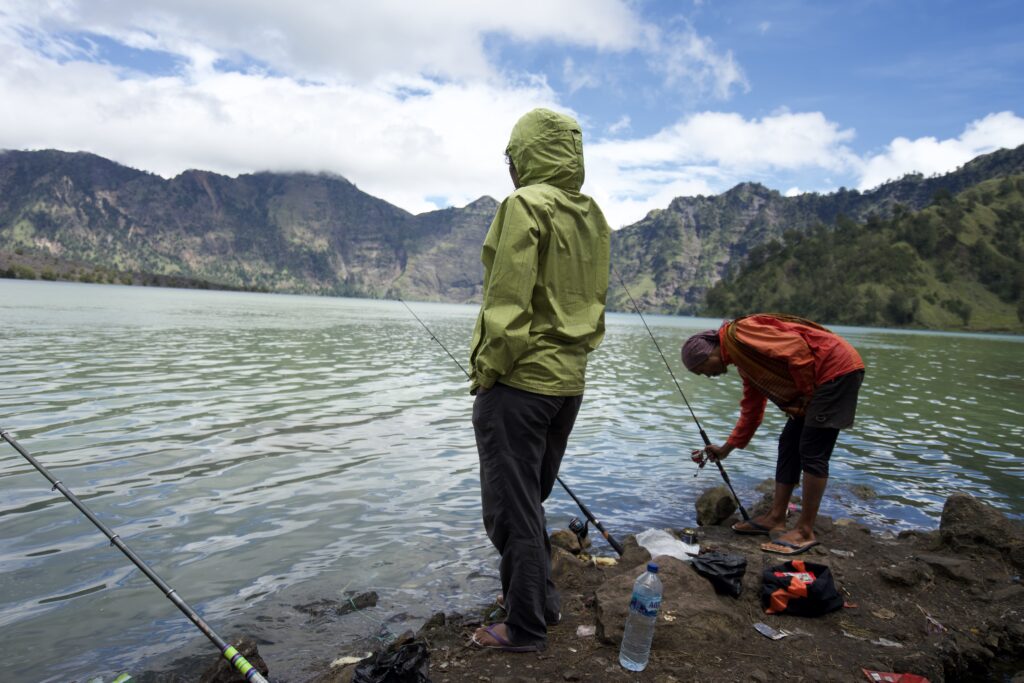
pixel 958 264
pixel 669 259
pixel 299 233
pixel 78 216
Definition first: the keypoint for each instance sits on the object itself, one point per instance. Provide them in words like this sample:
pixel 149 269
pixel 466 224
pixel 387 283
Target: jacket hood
pixel 547 147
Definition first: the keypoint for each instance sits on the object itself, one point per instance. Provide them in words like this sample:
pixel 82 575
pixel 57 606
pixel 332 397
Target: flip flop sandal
pixel 502 643
pixel 756 530
pixel 787 548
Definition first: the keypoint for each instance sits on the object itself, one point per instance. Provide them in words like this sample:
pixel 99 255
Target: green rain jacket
pixel 546 261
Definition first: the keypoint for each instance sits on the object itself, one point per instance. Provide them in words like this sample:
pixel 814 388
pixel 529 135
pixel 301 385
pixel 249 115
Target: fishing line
pixel 230 653
pixel 703 434
pixel 586 511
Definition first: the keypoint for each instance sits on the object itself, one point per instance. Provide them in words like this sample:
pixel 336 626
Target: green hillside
pixel 957 264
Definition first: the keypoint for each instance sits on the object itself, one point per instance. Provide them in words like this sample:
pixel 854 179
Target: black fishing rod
pixel 586 511
pixel 703 434
pixel 240 663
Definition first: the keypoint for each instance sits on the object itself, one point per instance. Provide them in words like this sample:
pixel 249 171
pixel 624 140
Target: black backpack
pixel 800 588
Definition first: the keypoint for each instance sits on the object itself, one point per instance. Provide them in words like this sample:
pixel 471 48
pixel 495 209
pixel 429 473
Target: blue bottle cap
pixel 652 568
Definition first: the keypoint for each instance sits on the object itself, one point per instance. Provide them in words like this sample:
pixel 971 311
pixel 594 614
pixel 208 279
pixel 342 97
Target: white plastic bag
pixel 660 542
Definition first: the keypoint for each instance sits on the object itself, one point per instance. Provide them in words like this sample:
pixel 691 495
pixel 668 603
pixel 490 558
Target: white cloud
pixel 347 40
pixel 690 60
pixel 620 126
pixel 929 155
pixel 707 153
pixel 577 78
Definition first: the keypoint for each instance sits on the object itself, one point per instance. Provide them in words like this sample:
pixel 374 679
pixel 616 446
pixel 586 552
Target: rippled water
pixel 264 451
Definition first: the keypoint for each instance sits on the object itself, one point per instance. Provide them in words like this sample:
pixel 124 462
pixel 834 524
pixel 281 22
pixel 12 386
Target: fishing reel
pixel 700 457
pixel 580 528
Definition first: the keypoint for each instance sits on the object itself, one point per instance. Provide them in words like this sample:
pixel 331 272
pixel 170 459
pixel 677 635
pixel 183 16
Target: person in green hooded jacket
pixel 546 263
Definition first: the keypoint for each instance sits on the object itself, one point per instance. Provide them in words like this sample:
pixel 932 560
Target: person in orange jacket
pixel 814 376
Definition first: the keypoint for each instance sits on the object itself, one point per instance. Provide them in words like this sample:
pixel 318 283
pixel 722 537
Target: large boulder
pixel 971 525
pixel 690 611
pixel 715 506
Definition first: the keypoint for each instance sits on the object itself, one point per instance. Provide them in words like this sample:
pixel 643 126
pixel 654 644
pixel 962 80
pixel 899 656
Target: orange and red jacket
pixel 812 356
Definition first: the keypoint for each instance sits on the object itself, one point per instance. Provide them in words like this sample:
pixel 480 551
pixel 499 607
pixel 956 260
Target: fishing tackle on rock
pixel 240 663
pixel 589 515
pixel 699 456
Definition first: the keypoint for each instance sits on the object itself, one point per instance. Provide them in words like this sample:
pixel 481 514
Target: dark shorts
pixel 806 443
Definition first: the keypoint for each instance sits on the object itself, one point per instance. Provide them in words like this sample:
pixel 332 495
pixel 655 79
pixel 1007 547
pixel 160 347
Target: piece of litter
pixel 572 650
pixel 344 661
pixel 885 614
pixel 931 625
pixel 885 642
pixel 585 631
pixel 604 561
pixel 768 632
pixel 842 553
pixel 668 616
pixel 850 635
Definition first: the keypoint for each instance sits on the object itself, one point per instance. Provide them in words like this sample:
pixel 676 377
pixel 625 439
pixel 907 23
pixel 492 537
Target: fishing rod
pixel 586 511
pixel 240 663
pixel 703 435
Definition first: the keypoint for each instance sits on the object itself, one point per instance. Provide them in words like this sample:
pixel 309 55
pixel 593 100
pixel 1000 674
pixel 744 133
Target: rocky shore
pixel 947 605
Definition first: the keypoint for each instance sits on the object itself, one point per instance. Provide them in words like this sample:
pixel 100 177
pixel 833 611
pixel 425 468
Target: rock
pixel 714 506
pixel 633 555
pixel 319 608
pixel 571 675
pixel 690 610
pixel 969 524
pixel 567 570
pixel 951 567
pixel 863 492
pixel 758 676
pixel 1007 594
pixel 567 540
pixel 224 672
pixel 847 523
pixel 907 574
pixel 766 487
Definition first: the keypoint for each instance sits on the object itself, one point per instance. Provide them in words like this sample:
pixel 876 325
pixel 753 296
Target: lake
pixel 265 451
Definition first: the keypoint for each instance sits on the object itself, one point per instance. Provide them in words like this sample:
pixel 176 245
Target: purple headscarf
pixel 697 348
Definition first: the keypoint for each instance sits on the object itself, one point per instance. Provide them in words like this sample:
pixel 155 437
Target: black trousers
pixel 521 438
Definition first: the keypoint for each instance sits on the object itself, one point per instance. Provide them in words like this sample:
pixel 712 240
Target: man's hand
pixel 718 452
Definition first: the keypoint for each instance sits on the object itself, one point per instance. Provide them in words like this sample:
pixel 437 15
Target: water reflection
pixel 264 451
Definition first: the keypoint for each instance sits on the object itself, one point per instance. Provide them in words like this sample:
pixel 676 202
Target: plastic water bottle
pixel 643 611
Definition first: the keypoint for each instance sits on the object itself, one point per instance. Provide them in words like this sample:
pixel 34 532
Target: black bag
pixel 800 588
pixel 725 572
pixel 409 663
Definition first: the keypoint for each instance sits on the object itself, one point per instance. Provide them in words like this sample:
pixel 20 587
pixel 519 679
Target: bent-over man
pixel 810 373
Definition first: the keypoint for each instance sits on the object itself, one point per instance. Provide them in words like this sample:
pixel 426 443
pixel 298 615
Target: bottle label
pixel 645 607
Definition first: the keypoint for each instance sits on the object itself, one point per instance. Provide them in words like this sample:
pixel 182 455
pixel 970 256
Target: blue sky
pixel 413 102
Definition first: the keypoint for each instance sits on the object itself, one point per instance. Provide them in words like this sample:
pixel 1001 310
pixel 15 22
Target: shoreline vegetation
pixel 946 604
pixel 45 268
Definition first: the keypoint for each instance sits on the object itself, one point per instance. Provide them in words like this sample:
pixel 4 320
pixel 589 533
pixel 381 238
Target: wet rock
pixel 969 524
pixel 766 487
pixel 714 506
pixel 847 523
pixel 863 492
pixel 690 610
pixel 224 672
pixel 353 603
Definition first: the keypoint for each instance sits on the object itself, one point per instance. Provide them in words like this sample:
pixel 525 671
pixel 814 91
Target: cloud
pixel 330 40
pixel 692 61
pixel 929 155
pixel 707 153
pixel 620 126
pixel 576 78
